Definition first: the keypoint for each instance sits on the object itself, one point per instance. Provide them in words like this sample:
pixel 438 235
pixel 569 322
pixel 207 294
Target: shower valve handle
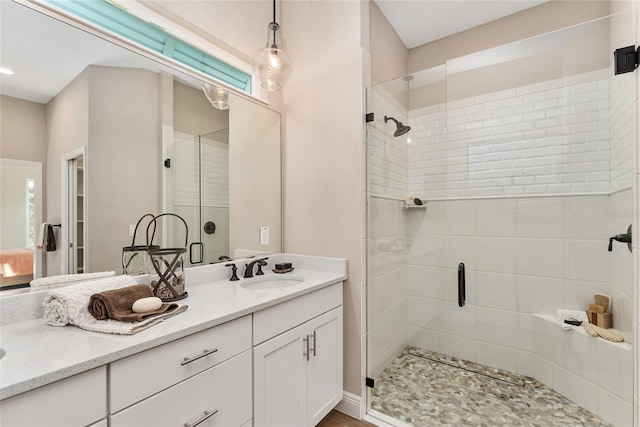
pixel 622 238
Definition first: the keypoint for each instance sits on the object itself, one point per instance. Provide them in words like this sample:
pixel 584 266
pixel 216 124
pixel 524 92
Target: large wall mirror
pixel 116 136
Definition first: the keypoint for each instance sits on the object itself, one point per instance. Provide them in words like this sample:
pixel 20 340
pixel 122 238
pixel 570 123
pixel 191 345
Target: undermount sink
pixel 271 282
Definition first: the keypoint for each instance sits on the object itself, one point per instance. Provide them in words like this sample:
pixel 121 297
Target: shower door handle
pixel 201 257
pixel 462 291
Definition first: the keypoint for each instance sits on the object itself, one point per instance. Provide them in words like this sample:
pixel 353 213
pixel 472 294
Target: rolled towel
pixel 56 313
pixel 117 304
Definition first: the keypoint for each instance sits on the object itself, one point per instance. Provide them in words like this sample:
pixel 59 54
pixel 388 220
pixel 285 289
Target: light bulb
pixel 274 60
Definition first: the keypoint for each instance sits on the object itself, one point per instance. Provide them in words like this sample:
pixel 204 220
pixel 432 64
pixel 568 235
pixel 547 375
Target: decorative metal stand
pixel 168 282
pixel 135 259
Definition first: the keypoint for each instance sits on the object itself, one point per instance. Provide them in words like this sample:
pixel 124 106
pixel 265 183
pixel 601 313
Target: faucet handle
pixel 234 272
pixel 261 262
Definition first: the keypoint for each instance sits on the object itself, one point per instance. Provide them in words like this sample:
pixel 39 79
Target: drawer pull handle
pixel 206 416
pixel 200 356
pixel 314 344
pixel 306 343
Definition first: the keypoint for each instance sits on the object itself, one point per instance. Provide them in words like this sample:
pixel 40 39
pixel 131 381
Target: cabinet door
pixel 280 376
pixel 324 386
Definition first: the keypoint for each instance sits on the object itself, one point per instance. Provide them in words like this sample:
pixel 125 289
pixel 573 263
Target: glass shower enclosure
pixel 489 224
pixel 198 191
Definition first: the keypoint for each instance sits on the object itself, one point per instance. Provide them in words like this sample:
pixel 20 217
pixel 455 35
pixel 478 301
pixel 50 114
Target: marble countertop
pixel 38 354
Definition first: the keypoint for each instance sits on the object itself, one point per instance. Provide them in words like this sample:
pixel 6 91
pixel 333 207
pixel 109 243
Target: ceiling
pixel 422 21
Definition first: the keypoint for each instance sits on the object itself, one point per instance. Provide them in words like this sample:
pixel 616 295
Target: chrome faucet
pixel 248 271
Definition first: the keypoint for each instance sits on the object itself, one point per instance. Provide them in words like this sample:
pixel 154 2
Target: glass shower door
pixel 523 155
pixel 198 191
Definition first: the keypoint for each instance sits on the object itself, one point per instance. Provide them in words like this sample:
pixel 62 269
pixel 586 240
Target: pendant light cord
pixel 274 10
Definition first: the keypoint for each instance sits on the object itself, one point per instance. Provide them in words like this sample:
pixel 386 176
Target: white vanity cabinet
pixel 297 366
pixel 203 377
pixel 280 364
pixel 79 400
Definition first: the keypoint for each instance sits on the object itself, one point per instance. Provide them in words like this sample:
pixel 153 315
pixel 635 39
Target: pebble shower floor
pixel 424 388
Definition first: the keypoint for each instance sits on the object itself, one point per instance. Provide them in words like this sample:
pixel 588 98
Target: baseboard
pixel 351 405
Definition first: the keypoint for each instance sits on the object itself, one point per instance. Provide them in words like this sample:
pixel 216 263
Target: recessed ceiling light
pixel 6 71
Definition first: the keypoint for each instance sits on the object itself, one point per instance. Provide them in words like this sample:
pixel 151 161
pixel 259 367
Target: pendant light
pixel 217 96
pixel 271 63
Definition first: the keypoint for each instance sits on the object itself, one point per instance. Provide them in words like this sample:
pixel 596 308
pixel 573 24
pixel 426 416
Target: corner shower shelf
pixel 407 206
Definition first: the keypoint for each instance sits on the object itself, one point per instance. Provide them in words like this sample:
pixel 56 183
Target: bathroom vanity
pixel 260 351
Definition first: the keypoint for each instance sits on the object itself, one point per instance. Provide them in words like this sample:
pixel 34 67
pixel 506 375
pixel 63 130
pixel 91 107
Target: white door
pixel 74 212
pixel 280 376
pixel 324 385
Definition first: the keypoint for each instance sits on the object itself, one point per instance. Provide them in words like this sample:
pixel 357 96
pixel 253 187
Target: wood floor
pixel 338 419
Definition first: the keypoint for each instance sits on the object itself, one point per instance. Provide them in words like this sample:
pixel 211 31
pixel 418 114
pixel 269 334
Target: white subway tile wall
pixel 548 138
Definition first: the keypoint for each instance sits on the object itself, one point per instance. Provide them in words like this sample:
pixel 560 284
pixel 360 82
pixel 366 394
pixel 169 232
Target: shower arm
pixel 387 118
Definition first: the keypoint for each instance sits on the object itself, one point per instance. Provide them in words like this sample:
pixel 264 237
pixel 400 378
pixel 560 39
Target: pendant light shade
pixel 271 64
pixel 217 96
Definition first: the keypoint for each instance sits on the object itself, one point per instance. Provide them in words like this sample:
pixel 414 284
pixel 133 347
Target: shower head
pixel 400 128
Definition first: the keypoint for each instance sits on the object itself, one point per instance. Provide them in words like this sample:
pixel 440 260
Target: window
pixel 118 21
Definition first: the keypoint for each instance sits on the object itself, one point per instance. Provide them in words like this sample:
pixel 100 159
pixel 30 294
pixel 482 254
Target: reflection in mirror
pixel 153 144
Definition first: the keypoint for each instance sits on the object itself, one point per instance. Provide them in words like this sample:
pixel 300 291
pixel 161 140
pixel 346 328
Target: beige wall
pixel 324 162
pixel 389 55
pixel 123 159
pixel 22 130
pixel 547 17
pixel 67 129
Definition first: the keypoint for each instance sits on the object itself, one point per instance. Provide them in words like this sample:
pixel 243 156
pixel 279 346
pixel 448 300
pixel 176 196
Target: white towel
pixel 42 236
pixel 70 278
pixel 563 315
pixel 69 306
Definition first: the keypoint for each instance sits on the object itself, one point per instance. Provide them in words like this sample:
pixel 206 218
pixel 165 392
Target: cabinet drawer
pixel 139 376
pixel 75 401
pixel 274 320
pixel 225 388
